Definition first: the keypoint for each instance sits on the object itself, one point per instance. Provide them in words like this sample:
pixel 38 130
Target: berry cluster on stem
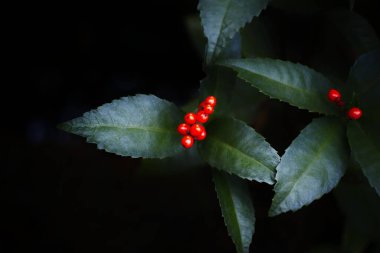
pixel 193 129
pixel 334 96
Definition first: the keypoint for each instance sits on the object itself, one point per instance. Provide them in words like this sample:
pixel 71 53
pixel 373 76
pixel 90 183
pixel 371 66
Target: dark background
pixel 59 194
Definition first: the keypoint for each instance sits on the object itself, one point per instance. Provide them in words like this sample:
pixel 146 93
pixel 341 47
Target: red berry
pixel 187 141
pixel 211 100
pixel 190 118
pixel 196 130
pixel 202 117
pixel 201 106
pixel 183 129
pixel 202 136
pixel 354 113
pixel 208 109
pixel 334 95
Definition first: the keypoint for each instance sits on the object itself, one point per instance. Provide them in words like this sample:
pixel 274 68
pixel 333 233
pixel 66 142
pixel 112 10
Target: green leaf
pixel 354 31
pixel 222 19
pixel 234 147
pixel 237 209
pixel 311 166
pixel 365 73
pixel 293 83
pixel 365 147
pixel 138 126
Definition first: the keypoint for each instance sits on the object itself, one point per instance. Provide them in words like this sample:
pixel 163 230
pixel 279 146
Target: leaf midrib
pixel 151 129
pixel 234 149
pixel 307 167
pixel 276 81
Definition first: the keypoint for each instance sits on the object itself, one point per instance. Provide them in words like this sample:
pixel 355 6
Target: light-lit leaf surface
pixel 222 19
pixel 365 147
pixel 293 83
pixel 237 209
pixel 138 126
pixel 234 147
pixel 311 166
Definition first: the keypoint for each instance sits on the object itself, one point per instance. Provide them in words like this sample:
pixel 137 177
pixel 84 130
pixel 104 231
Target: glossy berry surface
pixel 196 130
pixel 187 141
pixel 208 109
pixel 202 136
pixel 183 129
pixel 190 118
pixel 334 95
pixel 211 100
pixel 354 113
pixel 202 117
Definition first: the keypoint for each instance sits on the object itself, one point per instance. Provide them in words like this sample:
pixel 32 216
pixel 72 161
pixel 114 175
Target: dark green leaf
pixel 194 29
pixel 222 19
pixel 138 126
pixel 354 31
pixel 257 39
pixel 365 147
pixel 234 147
pixel 297 6
pixel 311 166
pixel 218 83
pixel 365 73
pixel 231 93
pixel 293 83
pixel 361 207
pixel 237 209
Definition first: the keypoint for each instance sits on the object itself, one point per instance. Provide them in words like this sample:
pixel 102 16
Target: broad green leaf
pixel 222 19
pixel 311 166
pixel 354 31
pixel 365 147
pixel 237 209
pixel 365 73
pixel 234 147
pixel 138 126
pixel 293 83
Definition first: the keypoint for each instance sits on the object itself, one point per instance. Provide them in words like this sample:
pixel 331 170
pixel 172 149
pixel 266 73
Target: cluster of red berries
pixel 192 128
pixel 335 97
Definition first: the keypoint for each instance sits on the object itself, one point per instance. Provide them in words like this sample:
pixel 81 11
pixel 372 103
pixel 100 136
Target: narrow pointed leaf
pixel 311 166
pixel 222 19
pixel 293 83
pixel 365 147
pixel 237 209
pixel 138 126
pixel 234 147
